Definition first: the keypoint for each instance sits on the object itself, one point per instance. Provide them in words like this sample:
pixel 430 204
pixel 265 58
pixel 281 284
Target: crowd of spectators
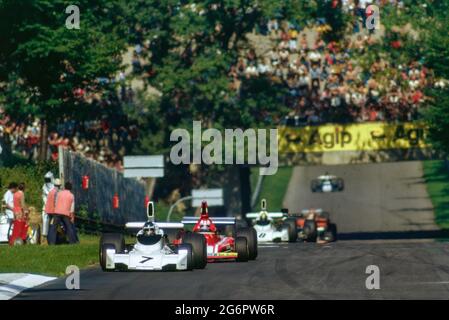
pixel 106 139
pixel 327 82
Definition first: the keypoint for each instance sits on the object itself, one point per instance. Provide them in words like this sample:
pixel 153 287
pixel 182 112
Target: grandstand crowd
pixel 325 81
pixel 105 140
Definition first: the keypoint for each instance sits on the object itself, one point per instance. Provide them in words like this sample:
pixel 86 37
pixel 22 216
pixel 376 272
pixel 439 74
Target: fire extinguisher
pixel 85 182
pixel 115 201
pixel 147 201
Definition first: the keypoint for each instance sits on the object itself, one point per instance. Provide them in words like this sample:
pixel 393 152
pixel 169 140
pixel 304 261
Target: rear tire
pixel 250 235
pixel 241 247
pixel 341 184
pixel 309 230
pixel 314 185
pixel 290 225
pixel 333 230
pixel 199 249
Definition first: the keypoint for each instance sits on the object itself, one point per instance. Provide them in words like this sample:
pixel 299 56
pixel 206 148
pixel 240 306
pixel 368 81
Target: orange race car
pixel 314 225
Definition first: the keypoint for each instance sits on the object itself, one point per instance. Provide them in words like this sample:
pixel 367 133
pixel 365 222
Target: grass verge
pixel 436 175
pixel 273 187
pixel 49 260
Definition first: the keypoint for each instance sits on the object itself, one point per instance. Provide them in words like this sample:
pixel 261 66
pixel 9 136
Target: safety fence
pixel 98 201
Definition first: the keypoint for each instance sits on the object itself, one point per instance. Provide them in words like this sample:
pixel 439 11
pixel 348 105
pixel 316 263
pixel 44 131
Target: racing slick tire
pixel 251 239
pixel 188 247
pixel 290 225
pixel 114 241
pixel 117 239
pixel 199 249
pixel 103 248
pixel 340 184
pixel 241 247
pixel 315 185
pixel 310 230
pixel 331 234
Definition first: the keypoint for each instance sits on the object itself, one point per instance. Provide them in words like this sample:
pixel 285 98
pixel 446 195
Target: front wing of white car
pixel 135 260
pixel 270 234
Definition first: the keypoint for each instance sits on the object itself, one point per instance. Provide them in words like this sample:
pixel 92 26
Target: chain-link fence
pixel 104 183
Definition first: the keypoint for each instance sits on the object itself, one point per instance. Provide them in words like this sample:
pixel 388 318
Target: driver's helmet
pixel 311 214
pixel 149 229
pixel 205 225
pixel 263 217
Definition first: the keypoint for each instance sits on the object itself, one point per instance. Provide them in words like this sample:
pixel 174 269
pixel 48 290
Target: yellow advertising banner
pixel 352 137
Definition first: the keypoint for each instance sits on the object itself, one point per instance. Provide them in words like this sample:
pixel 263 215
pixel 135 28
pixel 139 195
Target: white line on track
pixel 11 284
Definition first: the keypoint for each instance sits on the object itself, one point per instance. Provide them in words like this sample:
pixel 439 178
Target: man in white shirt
pixel 46 188
pixel 8 200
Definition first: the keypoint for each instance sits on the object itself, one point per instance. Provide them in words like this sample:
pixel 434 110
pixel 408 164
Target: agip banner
pixel 352 137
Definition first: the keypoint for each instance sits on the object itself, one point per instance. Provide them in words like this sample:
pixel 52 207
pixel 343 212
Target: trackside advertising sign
pixel 352 137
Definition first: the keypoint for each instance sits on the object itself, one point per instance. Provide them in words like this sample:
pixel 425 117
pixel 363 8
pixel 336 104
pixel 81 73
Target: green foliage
pixel 436 56
pixel 49 61
pixel 273 188
pixel 436 174
pixel 32 176
pixel 192 45
pixel 50 260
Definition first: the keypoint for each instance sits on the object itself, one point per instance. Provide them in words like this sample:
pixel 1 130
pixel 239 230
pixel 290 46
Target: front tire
pixel 117 239
pixel 114 241
pixel 103 248
pixel 190 262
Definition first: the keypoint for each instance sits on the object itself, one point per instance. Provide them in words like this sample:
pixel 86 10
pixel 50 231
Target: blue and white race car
pixel 327 183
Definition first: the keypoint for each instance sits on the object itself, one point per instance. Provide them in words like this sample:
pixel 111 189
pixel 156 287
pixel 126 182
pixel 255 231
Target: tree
pixel 436 55
pixel 191 48
pixel 48 62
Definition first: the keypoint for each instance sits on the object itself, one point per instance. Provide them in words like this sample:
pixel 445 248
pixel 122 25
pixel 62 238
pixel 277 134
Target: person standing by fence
pixel 63 208
pixel 8 200
pixel 50 204
pixel 46 188
pixel 19 233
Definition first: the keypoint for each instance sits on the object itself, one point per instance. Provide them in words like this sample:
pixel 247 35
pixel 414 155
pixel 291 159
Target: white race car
pixel 273 226
pixel 327 183
pixel 152 250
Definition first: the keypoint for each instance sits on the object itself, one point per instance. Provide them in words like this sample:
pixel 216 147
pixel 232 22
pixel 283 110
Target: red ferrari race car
pixel 314 225
pixel 241 247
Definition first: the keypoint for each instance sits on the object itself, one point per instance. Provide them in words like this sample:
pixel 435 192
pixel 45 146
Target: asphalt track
pixel 385 219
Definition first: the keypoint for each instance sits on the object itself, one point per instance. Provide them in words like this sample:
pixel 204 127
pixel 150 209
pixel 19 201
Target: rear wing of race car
pixel 215 220
pixel 151 217
pixel 306 211
pixel 272 215
pixel 161 225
